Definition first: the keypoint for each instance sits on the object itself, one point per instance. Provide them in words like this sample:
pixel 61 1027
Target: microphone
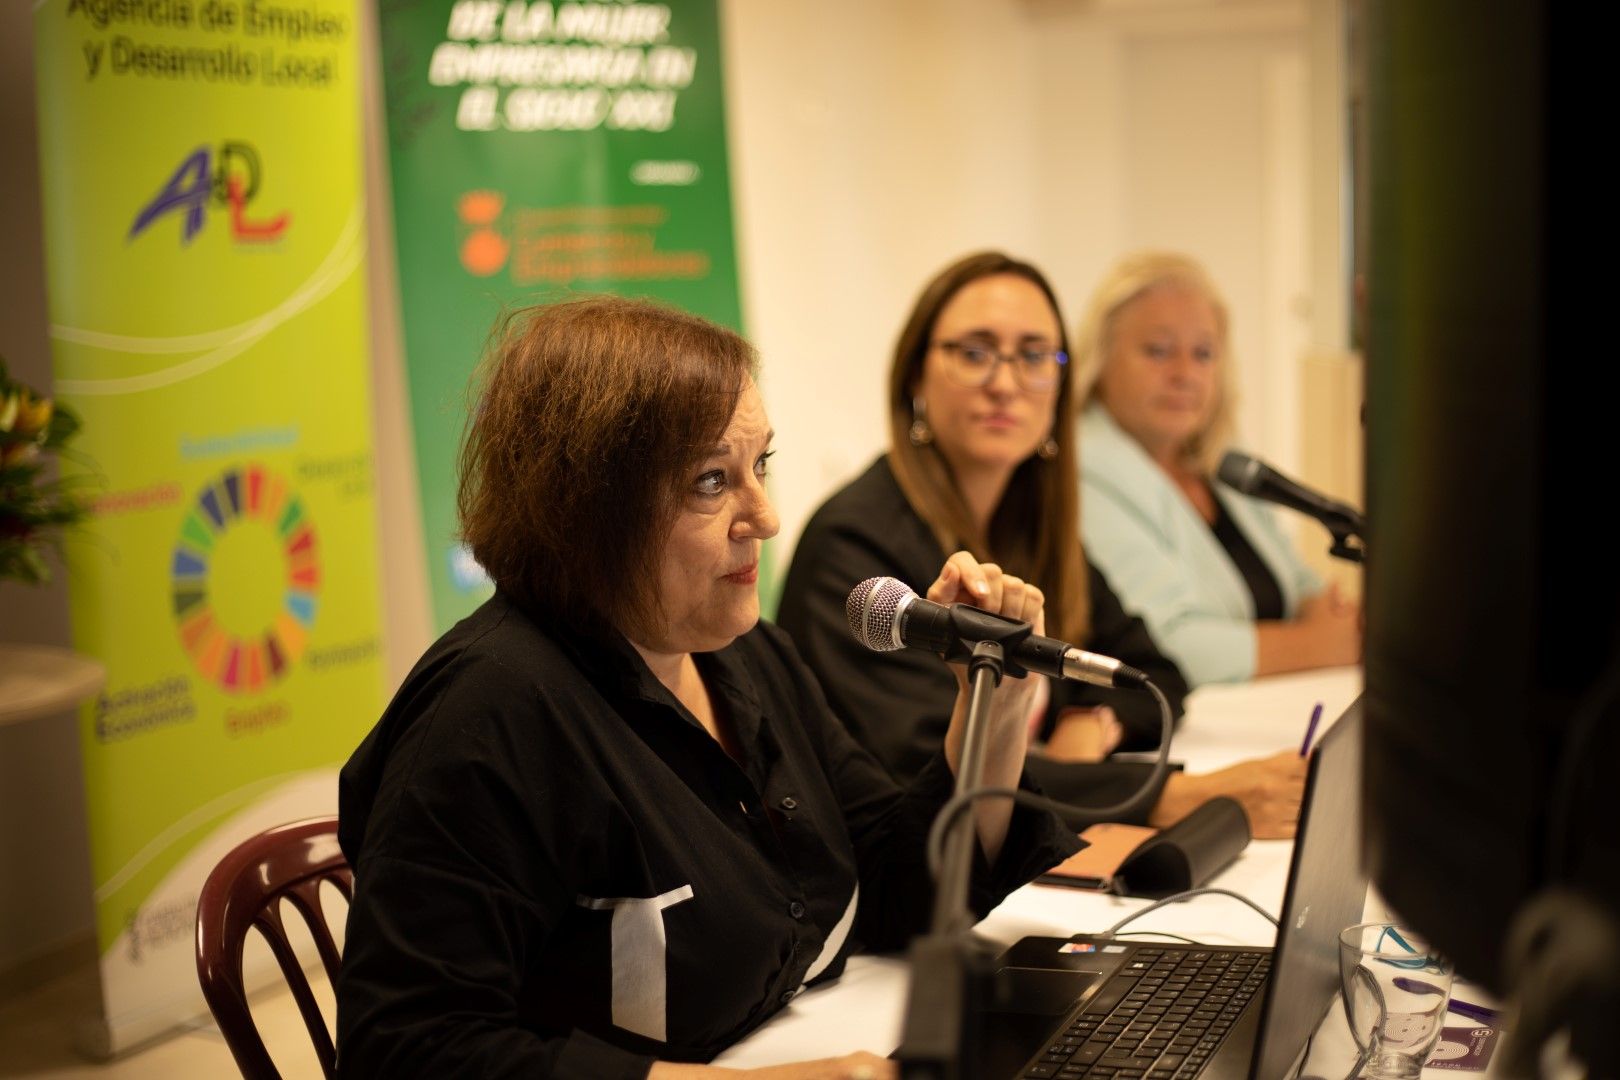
pixel 885 614
pixel 1254 477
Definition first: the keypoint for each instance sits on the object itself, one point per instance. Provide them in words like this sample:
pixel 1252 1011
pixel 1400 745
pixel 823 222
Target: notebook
pixel 1129 1008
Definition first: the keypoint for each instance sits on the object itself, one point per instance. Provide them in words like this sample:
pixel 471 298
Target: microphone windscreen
pixel 871 610
pixel 1240 471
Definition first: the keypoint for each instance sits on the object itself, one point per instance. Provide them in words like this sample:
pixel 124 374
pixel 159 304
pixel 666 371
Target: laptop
pixel 1128 1008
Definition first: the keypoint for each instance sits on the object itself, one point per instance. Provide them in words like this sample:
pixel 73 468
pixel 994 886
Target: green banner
pixel 204 213
pixel 539 149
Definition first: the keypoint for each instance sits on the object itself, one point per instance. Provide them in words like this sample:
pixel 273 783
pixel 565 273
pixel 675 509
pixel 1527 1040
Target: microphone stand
pixel 1342 547
pixel 1344 524
pixel 950 974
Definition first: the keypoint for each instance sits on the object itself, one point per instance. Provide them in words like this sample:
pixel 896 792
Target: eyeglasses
pixel 973 364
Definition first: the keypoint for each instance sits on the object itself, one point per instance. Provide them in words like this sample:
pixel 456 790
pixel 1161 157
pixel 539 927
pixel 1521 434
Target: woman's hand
pixel 1269 789
pixel 964 579
pixel 1336 624
pixel 1325 633
pixel 857 1066
pixel 1084 735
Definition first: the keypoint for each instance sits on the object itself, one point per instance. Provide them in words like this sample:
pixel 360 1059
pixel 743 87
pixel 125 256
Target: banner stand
pixel 537 151
pixel 204 217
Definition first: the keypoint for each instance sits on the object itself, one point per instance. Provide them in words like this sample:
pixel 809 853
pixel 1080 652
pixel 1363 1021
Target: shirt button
pixel 790 803
pixel 787 996
pixel 796 910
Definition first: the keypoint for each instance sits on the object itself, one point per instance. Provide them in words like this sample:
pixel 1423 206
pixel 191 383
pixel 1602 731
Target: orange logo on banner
pixel 484 250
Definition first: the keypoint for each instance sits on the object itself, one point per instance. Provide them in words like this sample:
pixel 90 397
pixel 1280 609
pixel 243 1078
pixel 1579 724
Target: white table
pixel 1224 724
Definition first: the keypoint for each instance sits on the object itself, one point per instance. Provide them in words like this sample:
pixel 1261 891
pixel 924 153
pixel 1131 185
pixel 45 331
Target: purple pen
pixel 1310 730
pixel 1474 1012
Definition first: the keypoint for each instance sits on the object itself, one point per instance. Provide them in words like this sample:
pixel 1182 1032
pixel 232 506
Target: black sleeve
pixel 458 881
pixel 896 704
pixel 1084 786
pixel 1117 633
pixel 888 827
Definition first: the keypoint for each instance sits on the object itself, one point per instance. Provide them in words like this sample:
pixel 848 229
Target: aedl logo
pixel 228 177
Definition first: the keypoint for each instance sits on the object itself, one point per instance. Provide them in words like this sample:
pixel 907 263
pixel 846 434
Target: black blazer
pixel 898 704
pixel 560 873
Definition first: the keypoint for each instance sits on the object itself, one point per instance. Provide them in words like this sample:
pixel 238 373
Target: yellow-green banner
pixel 201 166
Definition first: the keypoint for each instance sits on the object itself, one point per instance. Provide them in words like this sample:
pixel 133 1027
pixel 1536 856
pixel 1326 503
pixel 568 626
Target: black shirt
pixel 1262 583
pixel 559 872
pixel 898 704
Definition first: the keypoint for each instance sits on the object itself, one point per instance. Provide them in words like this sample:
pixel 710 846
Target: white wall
pixel 1185 127
pixel 873 143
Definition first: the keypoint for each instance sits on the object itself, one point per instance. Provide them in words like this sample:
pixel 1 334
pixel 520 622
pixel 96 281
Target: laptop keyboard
pixel 1160 1017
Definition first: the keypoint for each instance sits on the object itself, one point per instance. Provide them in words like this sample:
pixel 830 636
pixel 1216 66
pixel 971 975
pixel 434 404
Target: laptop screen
pixel 1327 890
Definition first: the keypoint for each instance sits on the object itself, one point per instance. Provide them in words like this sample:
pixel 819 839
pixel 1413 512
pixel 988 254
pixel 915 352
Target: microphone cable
pixel 1127 807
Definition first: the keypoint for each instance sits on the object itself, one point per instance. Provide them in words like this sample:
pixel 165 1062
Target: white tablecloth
pixel 1224 724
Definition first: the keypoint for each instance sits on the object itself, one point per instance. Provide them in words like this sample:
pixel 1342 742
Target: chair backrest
pixel 245 891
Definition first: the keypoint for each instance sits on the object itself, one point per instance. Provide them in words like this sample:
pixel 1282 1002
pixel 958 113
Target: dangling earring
pixel 1048 449
pixel 920 434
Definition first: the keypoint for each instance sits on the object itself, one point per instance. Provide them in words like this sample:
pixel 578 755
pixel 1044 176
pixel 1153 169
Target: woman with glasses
pixel 982 458
pixel 1218 583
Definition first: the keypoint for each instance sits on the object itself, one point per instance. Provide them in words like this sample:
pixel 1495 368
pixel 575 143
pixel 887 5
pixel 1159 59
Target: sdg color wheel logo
pixel 245 576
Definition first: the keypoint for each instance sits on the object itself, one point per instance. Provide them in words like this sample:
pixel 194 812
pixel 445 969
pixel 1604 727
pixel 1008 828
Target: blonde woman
pixel 1219 585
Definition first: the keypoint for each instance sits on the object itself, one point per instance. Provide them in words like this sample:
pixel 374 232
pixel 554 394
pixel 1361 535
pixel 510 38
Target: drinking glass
pixel 1395 992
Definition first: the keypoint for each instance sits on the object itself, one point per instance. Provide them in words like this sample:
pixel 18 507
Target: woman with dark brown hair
pixel 982 457
pixel 609 823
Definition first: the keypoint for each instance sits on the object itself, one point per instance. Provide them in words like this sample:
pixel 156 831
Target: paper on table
pixel 1466 1048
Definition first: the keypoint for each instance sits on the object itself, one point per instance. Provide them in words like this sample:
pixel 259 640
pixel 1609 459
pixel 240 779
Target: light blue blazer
pixel 1163 560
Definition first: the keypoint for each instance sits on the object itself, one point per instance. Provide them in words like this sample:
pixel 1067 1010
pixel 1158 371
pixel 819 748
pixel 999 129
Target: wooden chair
pixel 245 891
